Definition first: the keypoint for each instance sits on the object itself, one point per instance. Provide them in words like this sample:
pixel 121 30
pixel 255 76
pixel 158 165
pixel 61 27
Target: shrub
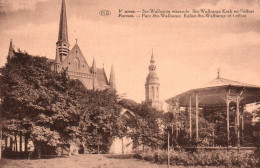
pixel 202 158
pixel 138 156
pixel 148 156
pixel 160 156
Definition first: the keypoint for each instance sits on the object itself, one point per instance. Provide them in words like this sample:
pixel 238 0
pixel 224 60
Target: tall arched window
pixel 77 63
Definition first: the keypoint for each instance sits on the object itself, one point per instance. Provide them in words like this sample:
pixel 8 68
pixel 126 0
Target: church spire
pixel 11 50
pixel 112 79
pixel 63 31
pixel 152 66
pixel 152 58
pixel 62 45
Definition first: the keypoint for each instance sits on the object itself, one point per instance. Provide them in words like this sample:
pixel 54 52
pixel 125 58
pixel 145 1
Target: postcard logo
pixel 105 13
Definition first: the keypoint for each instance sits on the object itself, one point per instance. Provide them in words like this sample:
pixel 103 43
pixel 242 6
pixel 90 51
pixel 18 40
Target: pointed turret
pixel 112 79
pixel 11 50
pixel 94 67
pixel 62 45
pixel 218 73
pixel 94 73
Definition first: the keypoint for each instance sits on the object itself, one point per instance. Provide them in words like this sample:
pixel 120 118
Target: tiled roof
pixel 224 82
pixel 214 87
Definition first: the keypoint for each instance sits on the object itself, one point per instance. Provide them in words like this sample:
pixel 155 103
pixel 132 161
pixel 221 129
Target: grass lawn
pixel 81 161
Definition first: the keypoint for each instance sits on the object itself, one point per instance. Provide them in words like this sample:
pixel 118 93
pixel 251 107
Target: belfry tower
pixel 62 45
pixel 152 86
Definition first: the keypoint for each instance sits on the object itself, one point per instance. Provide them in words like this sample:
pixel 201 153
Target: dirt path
pixel 82 161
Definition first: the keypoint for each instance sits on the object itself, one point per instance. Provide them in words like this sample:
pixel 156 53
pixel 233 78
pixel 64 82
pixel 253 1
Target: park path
pixel 82 161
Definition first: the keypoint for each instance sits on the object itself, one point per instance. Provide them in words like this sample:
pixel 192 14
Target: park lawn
pixel 81 161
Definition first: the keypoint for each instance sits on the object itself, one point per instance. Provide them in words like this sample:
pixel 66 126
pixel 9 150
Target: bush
pixel 138 156
pixel 160 156
pixel 202 158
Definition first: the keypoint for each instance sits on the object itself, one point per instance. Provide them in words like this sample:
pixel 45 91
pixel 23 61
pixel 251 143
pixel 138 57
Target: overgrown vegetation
pixel 53 110
pixel 146 130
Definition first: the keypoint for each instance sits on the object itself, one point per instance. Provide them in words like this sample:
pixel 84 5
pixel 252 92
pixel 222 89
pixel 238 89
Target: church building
pixel 76 64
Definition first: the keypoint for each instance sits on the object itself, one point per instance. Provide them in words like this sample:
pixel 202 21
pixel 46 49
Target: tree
pixel 103 111
pixel 146 130
pixel 36 101
pixel 52 109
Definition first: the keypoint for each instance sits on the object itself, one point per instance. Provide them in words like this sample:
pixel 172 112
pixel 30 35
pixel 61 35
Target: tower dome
pixel 152 78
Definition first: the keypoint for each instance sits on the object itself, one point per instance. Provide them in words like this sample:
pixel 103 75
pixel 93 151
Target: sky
pixel 188 51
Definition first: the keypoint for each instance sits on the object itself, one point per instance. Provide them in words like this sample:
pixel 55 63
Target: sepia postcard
pixel 154 52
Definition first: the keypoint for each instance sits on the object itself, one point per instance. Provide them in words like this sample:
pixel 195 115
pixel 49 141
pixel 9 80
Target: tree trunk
pixel 38 148
pixel 15 141
pixel 26 142
pixel 21 142
pixel 6 141
pixel 11 143
pixel 172 136
pixel 84 149
pixel 0 141
pixel 98 148
pixel 39 152
pixel 122 145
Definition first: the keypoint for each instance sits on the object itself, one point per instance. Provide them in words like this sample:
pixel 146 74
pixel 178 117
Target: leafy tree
pixel 146 128
pixel 36 101
pixel 52 109
pixel 103 112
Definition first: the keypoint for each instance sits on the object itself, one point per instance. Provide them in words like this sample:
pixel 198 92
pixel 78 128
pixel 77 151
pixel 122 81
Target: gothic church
pixel 76 64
